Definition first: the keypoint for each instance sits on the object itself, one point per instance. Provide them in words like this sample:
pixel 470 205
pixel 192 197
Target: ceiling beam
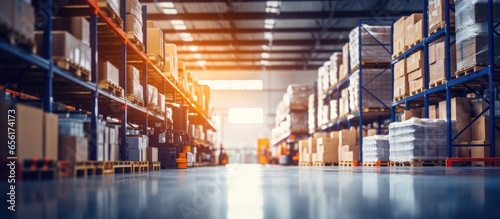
pixel 253 60
pixel 262 16
pixel 257 30
pixel 253 67
pixel 323 42
pixel 259 51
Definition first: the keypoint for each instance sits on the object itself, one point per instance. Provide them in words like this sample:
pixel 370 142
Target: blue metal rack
pixel 486 74
pixel 359 115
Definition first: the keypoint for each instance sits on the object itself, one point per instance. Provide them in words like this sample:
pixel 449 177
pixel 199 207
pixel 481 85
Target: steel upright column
pixel 47 54
pixel 94 93
pixel 426 59
pixel 491 78
pixel 123 84
pixel 360 92
pixel 145 68
pixel 448 77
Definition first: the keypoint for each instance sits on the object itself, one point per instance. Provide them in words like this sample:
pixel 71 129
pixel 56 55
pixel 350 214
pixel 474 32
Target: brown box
pixel 51 131
pixel 327 145
pixel 433 112
pixel 73 148
pixel 436 72
pixel 415 61
pixel 466 135
pixel 348 137
pixel 410 23
pixel 463 151
pixel 400 69
pixel 399 35
pixel 327 157
pixel 408 114
pixel 432 53
pixel 481 129
pixel 371 132
pixel 7 14
pixel 401 87
pixel 482 152
pixel 418 32
pixel 156 43
pixel 78 27
pixel 478 106
pixel 151 154
pixel 334 134
pixel 304 146
pixel 436 13
pixel 24 19
pixel 416 85
pixel 461 109
pixel 414 75
pixel 345 61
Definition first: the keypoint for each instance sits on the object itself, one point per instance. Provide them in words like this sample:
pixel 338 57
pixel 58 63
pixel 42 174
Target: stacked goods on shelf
pixel 436 15
pixel 65 53
pixel 376 148
pixel 348 144
pixel 312 144
pixel 344 67
pixel 156 45
pixel 472 34
pixel 205 98
pixel 171 61
pixel 18 17
pixel 335 62
pixel 109 78
pixel 399 31
pixel 161 103
pixel 418 140
pixel 327 148
pixel 480 130
pixel 344 102
pixel 319 103
pixel 377 82
pixel 135 91
pixel 311 113
pixel 79 28
pixel 304 155
pixel 408 114
pixel 371 51
pixel 133 26
pixel 437 62
pixel 112 7
pixel 36 132
pixel 334 114
pixel 461 109
pixel 152 97
pixel 401 88
pixel 73 145
pixel 102 147
pixel 291 112
pixel 323 80
pixel 136 148
pixel 415 72
pixel 182 74
pixel 298 96
pixel 326 76
pixel 414 30
pixel 112 141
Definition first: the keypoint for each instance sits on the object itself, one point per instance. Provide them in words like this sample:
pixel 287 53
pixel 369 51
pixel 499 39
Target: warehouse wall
pixel 275 84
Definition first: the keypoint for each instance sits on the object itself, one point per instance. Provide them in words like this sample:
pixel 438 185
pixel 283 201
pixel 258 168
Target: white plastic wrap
pixel 295 122
pixel 299 94
pixel 418 139
pixel 114 5
pixel 335 62
pixel 161 102
pixel 65 47
pixel 334 109
pixel 108 73
pixel 325 80
pixel 152 95
pixel 311 117
pixel 371 38
pixel 376 148
pixel 472 32
pixel 375 82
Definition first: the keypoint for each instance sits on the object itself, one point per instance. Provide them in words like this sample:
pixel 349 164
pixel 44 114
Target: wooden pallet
pixel 469 69
pixel 75 169
pixel 416 91
pixel 157 60
pixel 111 14
pixel 122 167
pixel 397 54
pixel 154 166
pixel 371 64
pixel 136 42
pixel 322 164
pixel 73 68
pixel 140 166
pixel 414 43
pixel 437 83
pixel 417 163
pixel 376 164
pixel 135 100
pixel 104 168
pixel 436 28
pixel 111 87
pixel 401 97
pixel 153 107
pixel 38 169
pixel 345 163
pixel 17 39
pixel 305 164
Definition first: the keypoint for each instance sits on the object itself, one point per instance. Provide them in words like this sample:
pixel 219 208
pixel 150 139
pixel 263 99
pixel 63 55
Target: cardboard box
pixel 436 14
pixel 400 69
pixel 313 157
pixel 482 152
pixel 152 154
pixel 350 152
pixel 401 86
pixel 78 27
pixel 470 51
pixel 410 22
pixel 466 135
pixel 73 148
pixel 399 35
pixel 50 135
pixel 327 157
pixel 371 132
pixel 156 43
pixel 67 47
pixel 417 74
pixel 7 14
pixel 478 106
pixel 408 114
pixel 334 134
pixel 433 112
pixel 24 19
pixel 432 53
pixel 345 62
pixel 481 129
pixel 416 85
pixel 327 145
pixel 347 137
pixel 463 151
pixel 108 73
pixel 418 32
pixel 415 61
pixel 304 146
pixel 461 109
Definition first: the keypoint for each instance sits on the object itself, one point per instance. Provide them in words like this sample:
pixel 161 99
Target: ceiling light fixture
pixel 264 62
pixel 202 63
pixel 268 26
pixel 177 22
pixel 169 11
pixel 265 55
pixel 184 35
pixel 272 10
pixel 269 21
pixel 193 48
pixel 268 36
pixel 187 39
pixel 266 47
pixel 273 4
pixel 166 4
pixel 197 56
pixel 180 27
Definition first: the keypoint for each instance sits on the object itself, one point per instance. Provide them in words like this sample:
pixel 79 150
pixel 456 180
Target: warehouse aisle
pixel 251 191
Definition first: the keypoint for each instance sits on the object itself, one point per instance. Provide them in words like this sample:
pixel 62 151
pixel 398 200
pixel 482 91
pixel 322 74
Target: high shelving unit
pixel 40 77
pixel 483 80
pixel 361 115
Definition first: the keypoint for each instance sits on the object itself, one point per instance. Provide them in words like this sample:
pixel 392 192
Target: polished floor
pixel 270 192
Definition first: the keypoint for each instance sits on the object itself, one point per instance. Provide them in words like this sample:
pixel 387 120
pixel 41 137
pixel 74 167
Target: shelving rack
pixel 30 71
pixel 359 116
pixel 454 86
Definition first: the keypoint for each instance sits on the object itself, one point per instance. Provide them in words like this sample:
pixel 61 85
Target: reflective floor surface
pixel 270 192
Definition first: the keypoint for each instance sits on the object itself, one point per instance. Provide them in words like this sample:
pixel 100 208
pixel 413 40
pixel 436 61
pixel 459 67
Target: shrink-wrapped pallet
pixel 377 88
pixel 376 148
pixel 376 44
pixel 312 113
pixel 418 139
pixel 335 62
pixel 295 122
pixel 152 95
pixel 299 95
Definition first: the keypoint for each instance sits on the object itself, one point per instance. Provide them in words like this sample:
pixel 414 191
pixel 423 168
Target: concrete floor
pixel 271 192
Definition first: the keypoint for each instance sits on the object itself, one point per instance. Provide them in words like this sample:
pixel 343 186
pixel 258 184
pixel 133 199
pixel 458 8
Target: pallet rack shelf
pixel 30 71
pixel 484 79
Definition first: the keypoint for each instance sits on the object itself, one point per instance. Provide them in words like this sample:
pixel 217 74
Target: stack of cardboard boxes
pixel 78 47
pixel 327 148
pixel 344 67
pixel 156 45
pixel 415 72
pixel 135 90
pixel 436 15
pixel 414 30
pixel 133 26
pixel 398 39
pixel 348 145
pixel 344 102
pixel 401 88
pixel 335 62
pixel 437 62
pixel 171 61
